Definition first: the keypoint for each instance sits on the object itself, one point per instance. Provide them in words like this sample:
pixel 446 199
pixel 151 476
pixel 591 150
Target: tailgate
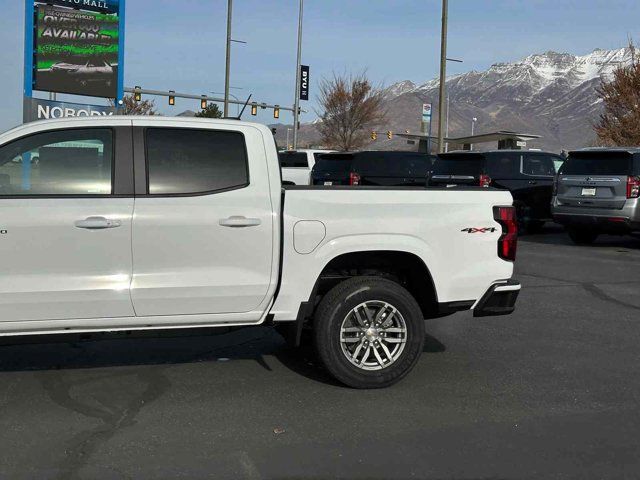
pixel 595 179
pixel 593 192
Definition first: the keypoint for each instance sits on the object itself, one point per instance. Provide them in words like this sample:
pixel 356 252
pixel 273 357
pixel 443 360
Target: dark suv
pixel 528 175
pixel 394 169
pixel 597 192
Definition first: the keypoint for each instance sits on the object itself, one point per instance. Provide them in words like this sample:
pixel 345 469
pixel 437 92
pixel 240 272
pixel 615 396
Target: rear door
pixel 203 229
pixel 66 202
pixel 595 179
pixel 539 170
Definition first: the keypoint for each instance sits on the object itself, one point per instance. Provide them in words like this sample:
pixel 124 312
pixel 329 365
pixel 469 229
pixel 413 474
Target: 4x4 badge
pixel 480 230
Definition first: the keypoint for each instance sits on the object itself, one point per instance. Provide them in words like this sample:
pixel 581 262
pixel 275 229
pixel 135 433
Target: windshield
pixel 597 163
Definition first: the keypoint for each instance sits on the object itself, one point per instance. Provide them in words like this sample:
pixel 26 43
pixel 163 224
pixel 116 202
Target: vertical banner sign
pixel 78 47
pixel 304 82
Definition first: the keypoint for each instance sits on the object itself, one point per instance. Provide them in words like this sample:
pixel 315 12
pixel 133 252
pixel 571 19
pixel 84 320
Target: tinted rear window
pixel 597 163
pixel 334 163
pixel 463 165
pixel 392 165
pixel 293 160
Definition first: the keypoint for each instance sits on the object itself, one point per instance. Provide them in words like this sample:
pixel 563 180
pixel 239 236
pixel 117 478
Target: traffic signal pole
pixel 228 69
pixel 296 111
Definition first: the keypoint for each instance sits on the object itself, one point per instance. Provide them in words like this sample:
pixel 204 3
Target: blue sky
pixel 179 44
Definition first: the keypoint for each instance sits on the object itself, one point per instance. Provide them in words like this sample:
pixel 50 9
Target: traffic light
pixel 389 134
pixel 254 109
pixel 203 103
pixel 374 135
pixel 137 96
pixel 172 99
pixel 276 111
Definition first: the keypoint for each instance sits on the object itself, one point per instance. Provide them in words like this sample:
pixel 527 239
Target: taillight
pixel 633 187
pixel 508 241
pixel 354 178
pixel 485 180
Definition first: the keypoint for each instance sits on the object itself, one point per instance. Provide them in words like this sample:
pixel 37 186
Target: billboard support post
pixel 121 33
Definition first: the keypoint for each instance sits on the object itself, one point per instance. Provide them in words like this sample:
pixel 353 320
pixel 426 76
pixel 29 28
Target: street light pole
pixel 228 69
pixel 443 75
pixel 473 128
pixel 296 108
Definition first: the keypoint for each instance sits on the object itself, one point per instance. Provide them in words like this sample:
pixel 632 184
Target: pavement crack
pixel 112 417
pixel 597 292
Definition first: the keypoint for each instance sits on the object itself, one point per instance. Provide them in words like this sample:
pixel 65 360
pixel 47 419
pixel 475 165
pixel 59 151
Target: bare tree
pixel 351 106
pixel 131 107
pixel 619 124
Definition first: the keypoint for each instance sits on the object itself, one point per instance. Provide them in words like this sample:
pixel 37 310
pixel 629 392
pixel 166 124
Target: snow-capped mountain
pixel 550 94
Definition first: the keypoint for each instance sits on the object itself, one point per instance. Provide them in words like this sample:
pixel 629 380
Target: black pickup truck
pixel 528 175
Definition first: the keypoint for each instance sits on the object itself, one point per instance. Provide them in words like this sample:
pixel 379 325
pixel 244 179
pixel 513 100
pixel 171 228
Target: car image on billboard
pixel 77 51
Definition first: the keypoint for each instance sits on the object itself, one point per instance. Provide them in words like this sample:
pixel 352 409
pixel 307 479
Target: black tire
pixel 535 226
pixel 582 236
pixel 336 307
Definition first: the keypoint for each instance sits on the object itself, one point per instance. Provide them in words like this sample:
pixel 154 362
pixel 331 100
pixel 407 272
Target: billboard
pixel 77 47
pixel 40 109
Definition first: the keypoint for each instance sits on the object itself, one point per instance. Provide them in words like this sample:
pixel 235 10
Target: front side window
pixel 539 165
pixel 504 165
pixel 187 161
pixel 63 162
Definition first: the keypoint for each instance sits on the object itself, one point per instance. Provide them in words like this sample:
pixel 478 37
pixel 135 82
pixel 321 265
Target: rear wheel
pixel 369 332
pixel 582 236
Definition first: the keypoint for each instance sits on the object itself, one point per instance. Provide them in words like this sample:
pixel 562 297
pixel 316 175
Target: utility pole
pixel 228 69
pixel 443 76
pixel 296 108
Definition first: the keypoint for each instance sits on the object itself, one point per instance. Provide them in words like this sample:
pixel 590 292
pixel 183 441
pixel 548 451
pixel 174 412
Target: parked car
pixel 390 169
pixel 597 192
pixel 528 175
pixel 219 243
pixel 296 165
pixel 92 70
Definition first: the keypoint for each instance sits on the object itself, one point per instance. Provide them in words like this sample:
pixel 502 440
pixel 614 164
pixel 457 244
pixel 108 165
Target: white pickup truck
pixel 296 165
pixel 132 223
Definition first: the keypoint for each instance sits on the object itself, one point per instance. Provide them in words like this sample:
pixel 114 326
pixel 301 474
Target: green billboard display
pixel 78 51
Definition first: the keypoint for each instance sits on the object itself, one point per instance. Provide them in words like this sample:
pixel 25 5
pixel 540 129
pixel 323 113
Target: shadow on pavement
pixel 53 352
pixel 81 351
pixel 553 234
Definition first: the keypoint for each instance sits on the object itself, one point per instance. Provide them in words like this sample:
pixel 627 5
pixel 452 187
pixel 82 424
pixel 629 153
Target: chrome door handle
pixel 533 182
pixel 97 223
pixel 240 222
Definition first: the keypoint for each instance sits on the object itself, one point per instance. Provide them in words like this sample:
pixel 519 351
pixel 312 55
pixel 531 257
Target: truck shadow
pixel 69 352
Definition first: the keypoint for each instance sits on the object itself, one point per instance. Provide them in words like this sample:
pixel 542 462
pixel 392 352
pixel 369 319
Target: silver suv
pixel 596 191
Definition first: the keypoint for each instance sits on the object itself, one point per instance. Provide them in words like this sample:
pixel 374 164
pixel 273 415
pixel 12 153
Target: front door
pixel 203 226
pixel 65 246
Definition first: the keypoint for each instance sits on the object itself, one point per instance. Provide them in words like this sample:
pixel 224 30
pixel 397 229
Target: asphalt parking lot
pixel 550 392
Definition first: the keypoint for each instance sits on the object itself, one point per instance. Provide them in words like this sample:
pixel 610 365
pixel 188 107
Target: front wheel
pixel 369 332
